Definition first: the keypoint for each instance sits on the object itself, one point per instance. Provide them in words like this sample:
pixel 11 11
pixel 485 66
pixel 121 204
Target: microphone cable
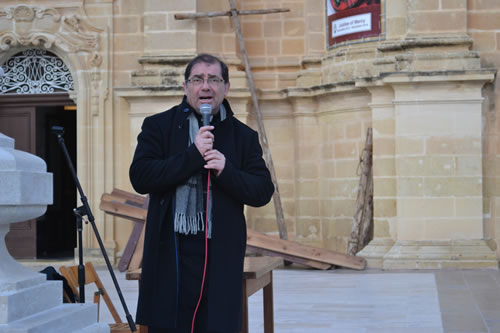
pixel 206 255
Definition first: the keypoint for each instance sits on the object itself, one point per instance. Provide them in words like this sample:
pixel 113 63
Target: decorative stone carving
pixel 29 27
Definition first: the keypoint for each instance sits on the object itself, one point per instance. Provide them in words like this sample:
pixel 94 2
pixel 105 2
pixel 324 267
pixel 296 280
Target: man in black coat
pixel 192 172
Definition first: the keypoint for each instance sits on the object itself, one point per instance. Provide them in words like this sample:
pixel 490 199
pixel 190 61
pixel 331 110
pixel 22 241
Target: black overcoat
pixel 162 161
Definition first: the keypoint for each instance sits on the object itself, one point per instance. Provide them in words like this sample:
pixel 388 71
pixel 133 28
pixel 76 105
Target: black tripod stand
pixel 80 212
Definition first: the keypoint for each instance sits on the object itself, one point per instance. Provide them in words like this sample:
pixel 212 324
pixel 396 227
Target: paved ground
pixel 375 301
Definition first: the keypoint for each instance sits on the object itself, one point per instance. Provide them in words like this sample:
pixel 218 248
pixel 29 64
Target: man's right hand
pixel 204 140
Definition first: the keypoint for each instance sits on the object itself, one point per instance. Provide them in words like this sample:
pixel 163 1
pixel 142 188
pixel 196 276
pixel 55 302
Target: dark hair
pixel 209 59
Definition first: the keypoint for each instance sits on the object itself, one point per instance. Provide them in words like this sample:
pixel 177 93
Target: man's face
pixel 205 86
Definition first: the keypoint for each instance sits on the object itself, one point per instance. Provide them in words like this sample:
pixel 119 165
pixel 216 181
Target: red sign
pixel 352 19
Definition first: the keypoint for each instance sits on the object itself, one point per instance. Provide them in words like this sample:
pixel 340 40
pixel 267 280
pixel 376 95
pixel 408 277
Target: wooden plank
pixel 182 16
pixel 289 258
pixel 126 211
pixel 258 239
pixel 129 250
pixel 136 260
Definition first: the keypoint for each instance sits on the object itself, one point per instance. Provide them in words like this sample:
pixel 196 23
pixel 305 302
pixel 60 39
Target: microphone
pixel 57 130
pixel 206 113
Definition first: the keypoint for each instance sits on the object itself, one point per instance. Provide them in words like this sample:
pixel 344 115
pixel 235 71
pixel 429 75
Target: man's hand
pixel 215 161
pixel 204 140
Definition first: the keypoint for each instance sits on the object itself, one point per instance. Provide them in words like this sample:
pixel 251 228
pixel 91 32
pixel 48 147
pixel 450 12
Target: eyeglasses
pixel 212 81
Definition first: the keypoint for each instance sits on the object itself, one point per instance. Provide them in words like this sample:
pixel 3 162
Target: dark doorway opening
pixel 28 119
pixel 56 229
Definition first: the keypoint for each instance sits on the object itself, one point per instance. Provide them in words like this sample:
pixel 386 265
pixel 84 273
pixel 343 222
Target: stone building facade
pixel 427 87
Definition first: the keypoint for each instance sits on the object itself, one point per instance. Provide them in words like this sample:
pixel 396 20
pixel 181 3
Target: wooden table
pixel 257 274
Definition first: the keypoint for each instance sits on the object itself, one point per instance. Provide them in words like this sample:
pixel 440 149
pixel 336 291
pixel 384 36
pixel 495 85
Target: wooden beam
pixel 289 258
pixel 280 219
pixel 274 244
pixel 229 13
pixel 359 231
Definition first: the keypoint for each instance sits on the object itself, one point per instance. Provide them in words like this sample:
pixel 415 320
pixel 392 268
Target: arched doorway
pixel 34 96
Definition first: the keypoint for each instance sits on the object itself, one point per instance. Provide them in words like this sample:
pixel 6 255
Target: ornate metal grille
pixel 35 71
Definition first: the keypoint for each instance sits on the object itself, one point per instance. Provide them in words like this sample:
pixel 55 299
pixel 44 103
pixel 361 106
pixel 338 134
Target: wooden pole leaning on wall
pixel 363 215
pixel 280 219
pixel 234 13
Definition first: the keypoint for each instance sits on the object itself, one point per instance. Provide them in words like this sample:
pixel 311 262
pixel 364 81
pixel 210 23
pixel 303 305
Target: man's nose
pixel 205 85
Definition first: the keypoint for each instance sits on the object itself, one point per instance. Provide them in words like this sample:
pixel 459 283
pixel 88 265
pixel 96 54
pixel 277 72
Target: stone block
pixel 347 149
pixel 411 229
pixel 170 6
pixel 345 188
pixel 307 188
pixel 255 47
pixel 415 5
pixel 454 4
pixel 384 207
pixel 410 186
pixel 384 166
pixel 273 29
pixel 410 146
pixel 346 168
pixel 384 147
pixel 439 21
pixel 484 5
pixel 252 29
pixel 315 44
pixel 484 20
pixel 155 22
pixel 315 23
pixel 459 228
pixel 425 207
pixel 314 7
pixel 179 42
pixel 307 207
pixel 221 25
pixel 452 145
pixel 308 229
pixel 307 152
pixel 293 46
pixel 128 43
pixel 469 207
pixel 453 186
pixel 397 26
pixel 130 7
pixel 343 207
pixel 296 10
pixel 126 61
pixel 294 28
pixel 127 24
pixel 468 166
pixel 384 187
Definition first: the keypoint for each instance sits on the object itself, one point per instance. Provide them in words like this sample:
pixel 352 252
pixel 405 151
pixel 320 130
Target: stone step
pixel 44 296
pixel 96 328
pixel 63 318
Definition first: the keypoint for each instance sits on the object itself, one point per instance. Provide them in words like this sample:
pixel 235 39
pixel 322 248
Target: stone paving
pixel 372 301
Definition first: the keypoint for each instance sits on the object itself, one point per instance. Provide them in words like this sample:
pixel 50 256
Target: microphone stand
pixel 80 212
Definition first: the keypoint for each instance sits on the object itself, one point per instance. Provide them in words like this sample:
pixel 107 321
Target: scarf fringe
pixel 191 225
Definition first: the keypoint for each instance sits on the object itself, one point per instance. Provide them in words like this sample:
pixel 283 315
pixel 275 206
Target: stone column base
pixel 429 254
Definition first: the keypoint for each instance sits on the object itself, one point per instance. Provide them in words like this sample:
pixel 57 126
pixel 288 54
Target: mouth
pixel 206 99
